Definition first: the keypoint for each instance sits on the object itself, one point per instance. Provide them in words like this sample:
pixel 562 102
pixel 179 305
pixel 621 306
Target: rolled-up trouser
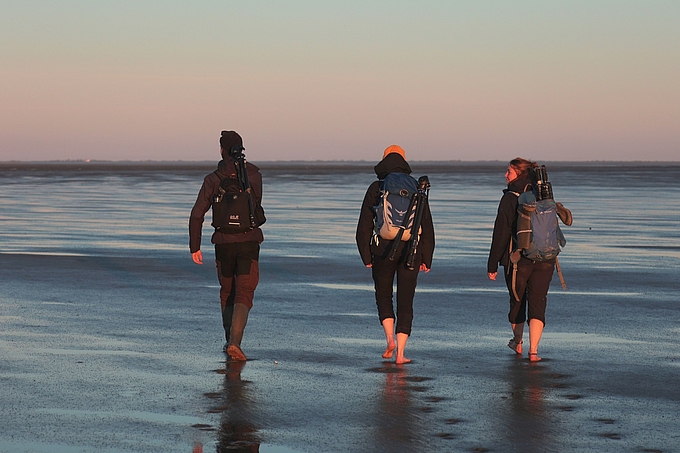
pixel 383 272
pixel 238 273
pixel 532 284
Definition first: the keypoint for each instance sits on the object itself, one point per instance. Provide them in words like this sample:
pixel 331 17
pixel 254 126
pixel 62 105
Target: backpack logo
pixel 396 193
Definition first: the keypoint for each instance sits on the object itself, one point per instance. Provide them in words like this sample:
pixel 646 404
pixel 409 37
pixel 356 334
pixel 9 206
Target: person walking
pixel 237 249
pixel 374 251
pixel 532 280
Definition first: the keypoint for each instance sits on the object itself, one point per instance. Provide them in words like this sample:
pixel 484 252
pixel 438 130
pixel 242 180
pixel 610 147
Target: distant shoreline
pixel 102 168
pixel 303 163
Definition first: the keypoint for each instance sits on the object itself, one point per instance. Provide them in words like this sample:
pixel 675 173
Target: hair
pixel 228 139
pixel 522 166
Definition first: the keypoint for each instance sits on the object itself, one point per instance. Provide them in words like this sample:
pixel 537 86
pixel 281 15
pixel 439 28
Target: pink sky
pixel 341 80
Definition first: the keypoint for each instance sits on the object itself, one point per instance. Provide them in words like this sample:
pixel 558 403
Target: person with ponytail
pixel 528 300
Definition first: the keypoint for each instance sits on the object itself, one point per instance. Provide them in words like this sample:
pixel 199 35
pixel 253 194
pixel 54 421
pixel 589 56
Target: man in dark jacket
pixel 236 254
pixel 374 252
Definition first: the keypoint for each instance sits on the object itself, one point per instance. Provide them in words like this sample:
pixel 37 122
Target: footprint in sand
pixel 573 397
pixel 417 378
pixel 203 427
pixel 615 436
pixel 606 421
pixel 446 435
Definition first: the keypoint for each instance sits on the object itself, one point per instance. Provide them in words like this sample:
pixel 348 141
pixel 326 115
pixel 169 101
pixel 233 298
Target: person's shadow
pixel 237 432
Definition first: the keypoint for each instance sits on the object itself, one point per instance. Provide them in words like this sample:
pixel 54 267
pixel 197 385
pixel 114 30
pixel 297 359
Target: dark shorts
pixel 238 272
pixel 384 271
pixel 532 284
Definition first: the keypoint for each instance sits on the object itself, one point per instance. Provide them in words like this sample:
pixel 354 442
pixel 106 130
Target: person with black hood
pixel 374 252
pixel 236 254
pixel 533 277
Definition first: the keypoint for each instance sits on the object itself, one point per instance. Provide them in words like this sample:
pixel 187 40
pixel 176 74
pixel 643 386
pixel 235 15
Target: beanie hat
pixel 230 139
pixel 394 149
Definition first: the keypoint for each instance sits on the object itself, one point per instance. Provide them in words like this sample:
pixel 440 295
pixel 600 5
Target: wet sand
pixel 121 354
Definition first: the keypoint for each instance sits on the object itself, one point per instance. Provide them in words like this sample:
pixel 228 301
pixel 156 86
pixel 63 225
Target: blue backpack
pixel 543 238
pixel 396 193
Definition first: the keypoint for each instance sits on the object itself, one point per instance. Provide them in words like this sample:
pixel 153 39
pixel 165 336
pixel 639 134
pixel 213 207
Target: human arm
pixel 502 232
pixel 426 240
pixel 255 180
pixel 364 231
pixel 197 217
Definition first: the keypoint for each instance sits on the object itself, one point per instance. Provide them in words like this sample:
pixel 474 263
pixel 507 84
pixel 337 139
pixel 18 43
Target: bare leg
pixel 388 325
pixel 401 345
pixel 516 342
pixel 535 332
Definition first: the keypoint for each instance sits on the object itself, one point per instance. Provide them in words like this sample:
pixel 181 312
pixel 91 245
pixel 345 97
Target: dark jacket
pixel 364 236
pixel 506 224
pixel 211 183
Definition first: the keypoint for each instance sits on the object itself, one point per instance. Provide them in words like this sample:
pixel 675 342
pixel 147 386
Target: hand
pixel 424 268
pixel 197 257
pixel 492 275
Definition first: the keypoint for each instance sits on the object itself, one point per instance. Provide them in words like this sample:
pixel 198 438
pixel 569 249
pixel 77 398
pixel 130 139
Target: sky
pixel 340 80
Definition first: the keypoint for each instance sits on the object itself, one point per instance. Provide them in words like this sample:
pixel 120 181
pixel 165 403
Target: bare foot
pixel 533 357
pixel 515 346
pixel 389 352
pixel 235 353
pixel 402 360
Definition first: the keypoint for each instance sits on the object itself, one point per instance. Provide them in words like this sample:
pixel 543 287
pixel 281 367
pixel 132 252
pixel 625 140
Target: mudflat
pixel 111 338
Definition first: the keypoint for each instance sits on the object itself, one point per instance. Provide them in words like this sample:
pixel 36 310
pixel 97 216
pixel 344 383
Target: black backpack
pixel 234 209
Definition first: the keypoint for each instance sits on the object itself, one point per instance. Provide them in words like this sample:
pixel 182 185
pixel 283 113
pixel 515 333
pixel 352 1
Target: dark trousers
pixel 238 273
pixel 383 271
pixel 532 284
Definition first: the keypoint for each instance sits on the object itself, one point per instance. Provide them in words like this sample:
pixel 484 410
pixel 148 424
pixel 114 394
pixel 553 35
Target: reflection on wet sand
pixel 237 431
pixel 396 423
pixel 527 424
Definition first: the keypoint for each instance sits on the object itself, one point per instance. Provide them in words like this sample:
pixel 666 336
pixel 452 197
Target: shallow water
pixel 111 341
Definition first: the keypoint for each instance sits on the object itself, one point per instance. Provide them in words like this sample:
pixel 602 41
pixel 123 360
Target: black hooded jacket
pixel 506 224
pixel 392 163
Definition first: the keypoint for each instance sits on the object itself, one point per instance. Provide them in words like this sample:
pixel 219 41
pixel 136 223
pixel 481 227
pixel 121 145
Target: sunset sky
pixel 340 80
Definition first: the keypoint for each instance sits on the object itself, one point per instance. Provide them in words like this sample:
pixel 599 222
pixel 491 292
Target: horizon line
pixel 322 161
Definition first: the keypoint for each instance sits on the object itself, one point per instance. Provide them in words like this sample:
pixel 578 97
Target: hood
pixel 519 185
pixel 226 167
pixel 392 163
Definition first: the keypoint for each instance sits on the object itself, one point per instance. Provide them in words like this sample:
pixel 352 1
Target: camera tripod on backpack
pixel 234 209
pixel 418 201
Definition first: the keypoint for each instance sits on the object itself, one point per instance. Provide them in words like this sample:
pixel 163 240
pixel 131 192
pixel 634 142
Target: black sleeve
pixel 502 232
pixel 365 225
pixel 203 203
pixel 426 242
pixel 255 180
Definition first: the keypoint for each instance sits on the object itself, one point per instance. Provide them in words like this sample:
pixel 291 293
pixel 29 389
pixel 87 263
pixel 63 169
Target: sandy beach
pixel 125 355
pixel 111 340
